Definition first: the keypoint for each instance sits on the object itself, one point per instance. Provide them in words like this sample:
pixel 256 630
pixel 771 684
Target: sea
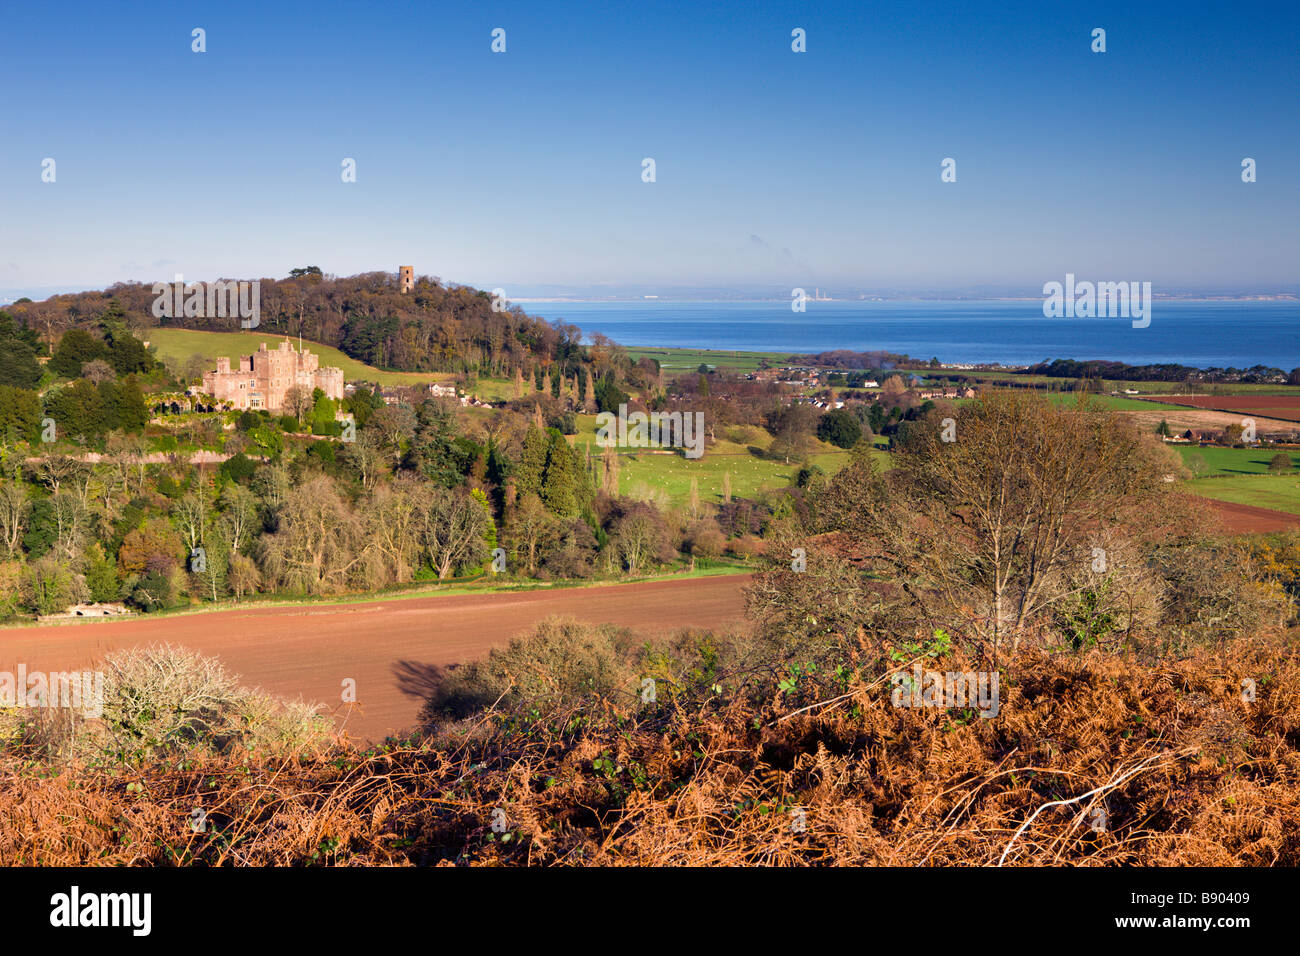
pixel 1202 334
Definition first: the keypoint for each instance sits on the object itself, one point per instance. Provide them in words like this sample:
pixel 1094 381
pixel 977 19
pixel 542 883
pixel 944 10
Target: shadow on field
pixel 416 679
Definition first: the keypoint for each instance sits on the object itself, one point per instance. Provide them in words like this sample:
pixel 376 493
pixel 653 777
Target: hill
pixel 434 327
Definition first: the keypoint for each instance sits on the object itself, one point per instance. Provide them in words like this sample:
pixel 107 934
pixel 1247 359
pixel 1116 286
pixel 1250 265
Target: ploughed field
pixel 388 647
pixel 1283 407
pixel 1239 518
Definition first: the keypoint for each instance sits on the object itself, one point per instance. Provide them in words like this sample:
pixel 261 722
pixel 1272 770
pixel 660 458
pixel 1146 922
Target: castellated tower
pixel 265 377
pixel 405 278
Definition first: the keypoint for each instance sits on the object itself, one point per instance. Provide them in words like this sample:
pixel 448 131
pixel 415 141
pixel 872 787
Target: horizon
pixel 694 294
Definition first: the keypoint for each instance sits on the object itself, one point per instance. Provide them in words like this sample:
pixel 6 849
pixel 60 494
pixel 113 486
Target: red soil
pixel 387 647
pixel 1285 407
pixel 1246 519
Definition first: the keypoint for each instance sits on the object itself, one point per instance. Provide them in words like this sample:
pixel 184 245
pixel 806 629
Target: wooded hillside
pixel 435 327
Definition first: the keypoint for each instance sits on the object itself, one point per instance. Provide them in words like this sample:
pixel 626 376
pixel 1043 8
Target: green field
pixel 1233 461
pixel 1146 388
pixel 181 344
pixel 679 360
pixel 667 476
pixel 1278 492
pixel 1118 403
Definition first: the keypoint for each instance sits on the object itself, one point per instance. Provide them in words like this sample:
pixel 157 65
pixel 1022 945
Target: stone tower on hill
pixel 405 278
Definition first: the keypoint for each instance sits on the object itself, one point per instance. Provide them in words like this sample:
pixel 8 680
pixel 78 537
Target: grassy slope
pixel 645 474
pixel 1235 461
pixel 1278 492
pixel 1240 475
pixel 1118 403
pixel 679 360
pixel 184 343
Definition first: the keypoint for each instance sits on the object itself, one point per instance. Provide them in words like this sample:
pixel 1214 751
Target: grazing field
pixel 1275 492
pixel 181 344
pixel 1231 461
pixel 390 648
pixel 680 360
pixel 1118 403
pixel 1164 390
pixel 666 476
pixel 1285 407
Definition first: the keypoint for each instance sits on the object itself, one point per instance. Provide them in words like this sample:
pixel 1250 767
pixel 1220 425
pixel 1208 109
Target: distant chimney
pixel 406 278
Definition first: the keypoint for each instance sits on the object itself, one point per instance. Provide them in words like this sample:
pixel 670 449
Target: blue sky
pixel 774 169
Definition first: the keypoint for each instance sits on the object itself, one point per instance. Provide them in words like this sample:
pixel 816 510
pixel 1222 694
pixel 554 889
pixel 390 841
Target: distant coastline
pixel 1194 332
pixel 670 299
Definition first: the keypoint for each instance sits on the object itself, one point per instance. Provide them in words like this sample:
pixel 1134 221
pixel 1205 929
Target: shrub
pixel 238 468
pixel 746 547
pixel 162 700
pixel 706 539
pixel 562 662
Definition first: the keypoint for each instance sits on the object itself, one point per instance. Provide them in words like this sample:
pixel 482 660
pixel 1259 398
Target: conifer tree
pixel 533 463
pixel 560 482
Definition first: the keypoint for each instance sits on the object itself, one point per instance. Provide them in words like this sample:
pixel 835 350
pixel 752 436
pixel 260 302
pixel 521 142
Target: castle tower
pixel 405 278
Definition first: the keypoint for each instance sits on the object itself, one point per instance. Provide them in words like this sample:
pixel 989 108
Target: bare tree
pixel 368 455
pixel 238 517
pixel 14 510
pixel 128 455
pixel 97 370
pixel 53 470
pixel 298 401
pixel 394 424
pixel 530 528
pixel 453 530
pixel 394 515
pixel 318 543
pixel 70 516
pixel 987 519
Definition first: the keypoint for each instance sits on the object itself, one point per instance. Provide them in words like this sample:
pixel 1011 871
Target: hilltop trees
pixel 437 327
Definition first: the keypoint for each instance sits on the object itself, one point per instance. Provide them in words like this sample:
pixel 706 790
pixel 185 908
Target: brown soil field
pixel 1284 407
pixel 1248 519
pixel 1207 418
pixel 388 647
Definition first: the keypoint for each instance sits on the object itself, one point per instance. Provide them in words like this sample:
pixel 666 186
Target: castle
pixel 264 378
